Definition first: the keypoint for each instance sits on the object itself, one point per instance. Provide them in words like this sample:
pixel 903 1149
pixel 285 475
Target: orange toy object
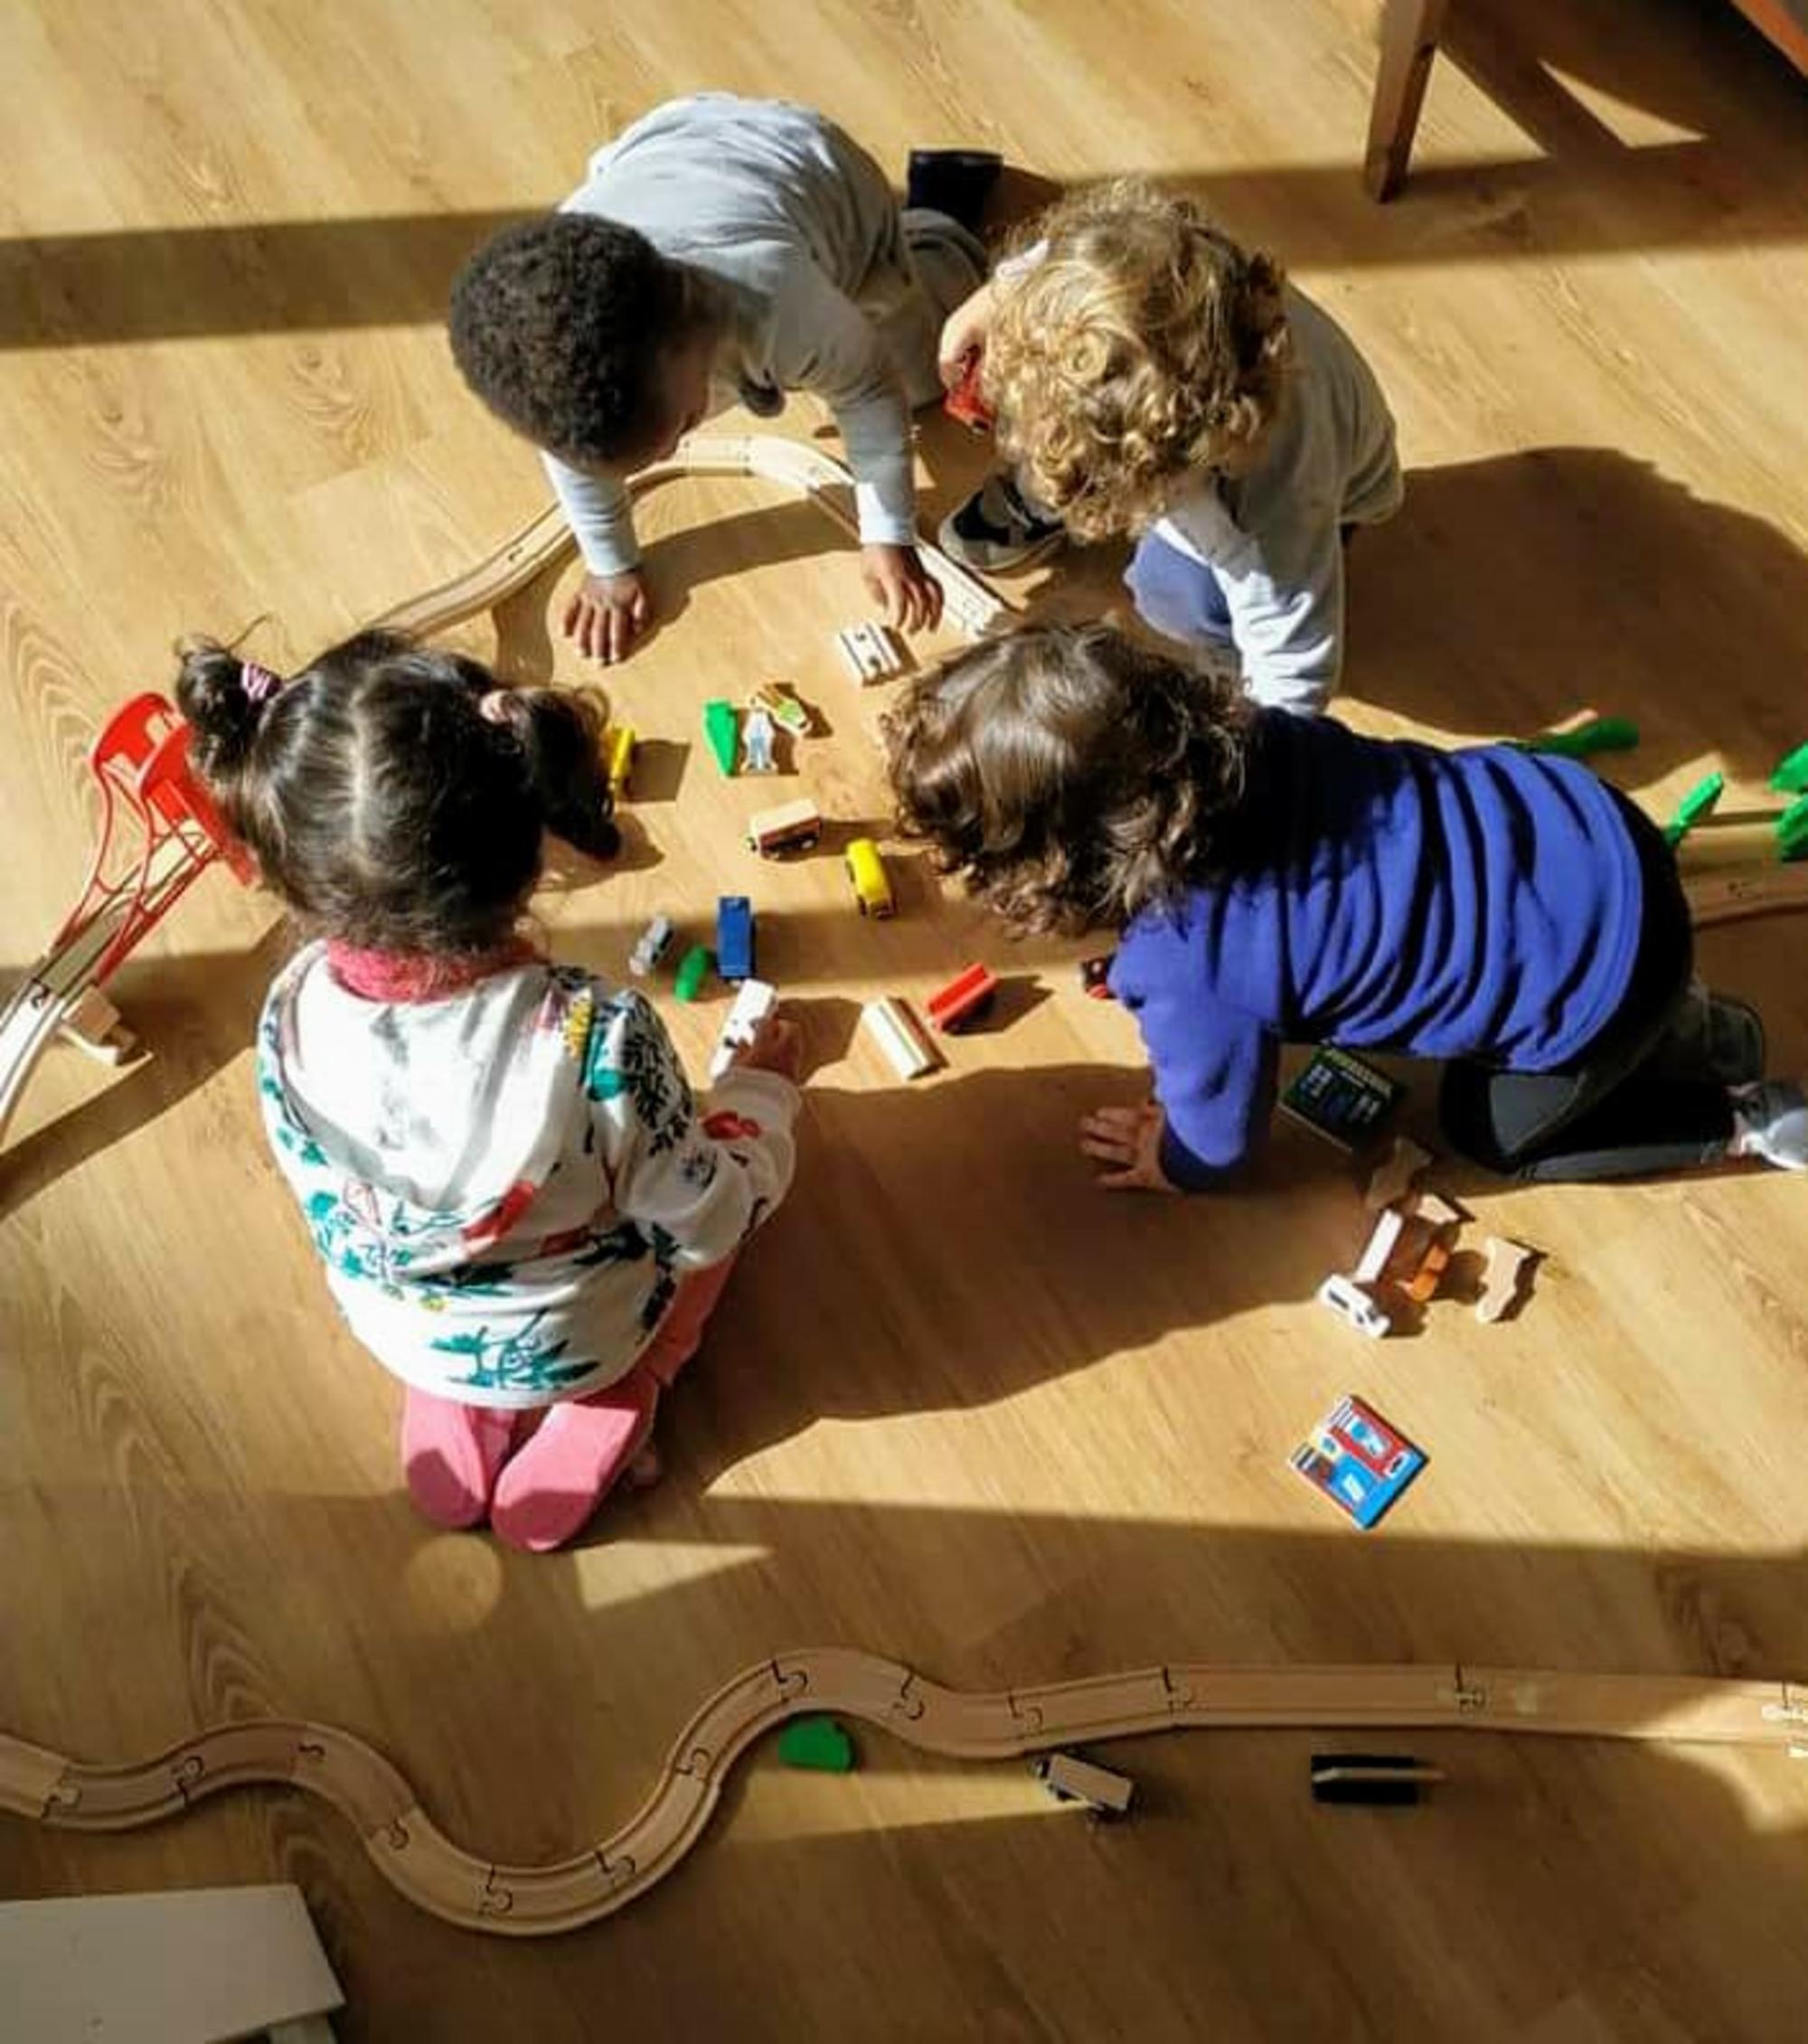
pixel 474 1891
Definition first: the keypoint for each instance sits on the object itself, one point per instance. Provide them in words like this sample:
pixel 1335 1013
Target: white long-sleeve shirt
pixel 508 1184
pixel 798 227
pixel 1273 537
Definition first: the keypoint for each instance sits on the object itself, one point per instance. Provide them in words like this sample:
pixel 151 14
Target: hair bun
pixel 224 699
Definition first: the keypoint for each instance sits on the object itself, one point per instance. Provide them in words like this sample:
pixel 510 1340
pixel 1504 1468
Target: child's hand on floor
pixel 777 1046
pixel 896 580
pixel 1128 1139
pixel 608 615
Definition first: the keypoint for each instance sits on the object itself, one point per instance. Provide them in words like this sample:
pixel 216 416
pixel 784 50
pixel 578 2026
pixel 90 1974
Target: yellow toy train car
pixel 870 882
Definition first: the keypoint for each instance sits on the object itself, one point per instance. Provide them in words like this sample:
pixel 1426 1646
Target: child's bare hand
pixel 608 615
pixel 1128 1140
pixel 778 1047
pixel 897 580
pixel 964 334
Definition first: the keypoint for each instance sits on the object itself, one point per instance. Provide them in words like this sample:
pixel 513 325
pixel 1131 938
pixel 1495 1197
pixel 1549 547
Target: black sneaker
pixel 1711 1036
pixel 955 182
pixel 995 528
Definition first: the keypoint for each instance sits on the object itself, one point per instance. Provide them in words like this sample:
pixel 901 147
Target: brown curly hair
pixel 1070 776
pixel 1142 347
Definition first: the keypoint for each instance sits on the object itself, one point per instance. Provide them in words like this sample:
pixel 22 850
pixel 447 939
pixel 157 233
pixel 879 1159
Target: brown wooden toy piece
pixel 1509 1272
pixel 1392 1178
pixel 531 1901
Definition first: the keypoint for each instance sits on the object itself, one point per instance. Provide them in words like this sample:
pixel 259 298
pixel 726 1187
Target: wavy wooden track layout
pixel 520 1901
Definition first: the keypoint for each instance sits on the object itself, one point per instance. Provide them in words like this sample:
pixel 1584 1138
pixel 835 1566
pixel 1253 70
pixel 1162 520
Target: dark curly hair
pixel 383 805
pixel 560 325
pixel 1070 776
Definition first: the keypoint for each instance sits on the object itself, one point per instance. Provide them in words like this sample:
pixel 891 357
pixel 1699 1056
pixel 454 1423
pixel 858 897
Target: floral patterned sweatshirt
pixel 508 1184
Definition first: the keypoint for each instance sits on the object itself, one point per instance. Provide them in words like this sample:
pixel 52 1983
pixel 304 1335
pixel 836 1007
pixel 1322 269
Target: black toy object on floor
pixel 955 182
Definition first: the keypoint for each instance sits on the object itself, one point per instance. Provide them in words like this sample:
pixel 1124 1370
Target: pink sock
pixel 560 1477
pixel 451 1454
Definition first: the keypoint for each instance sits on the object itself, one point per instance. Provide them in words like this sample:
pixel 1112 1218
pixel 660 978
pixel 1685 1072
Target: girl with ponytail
pixel 523 1213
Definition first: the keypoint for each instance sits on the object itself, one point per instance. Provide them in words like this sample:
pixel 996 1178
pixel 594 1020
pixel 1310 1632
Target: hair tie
pixel 258 682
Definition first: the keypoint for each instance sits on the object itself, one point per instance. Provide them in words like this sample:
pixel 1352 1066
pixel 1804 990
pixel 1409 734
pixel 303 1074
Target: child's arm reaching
pixel 705 1180
pixel 821 341
pixel 612 608
pixel 1214 1071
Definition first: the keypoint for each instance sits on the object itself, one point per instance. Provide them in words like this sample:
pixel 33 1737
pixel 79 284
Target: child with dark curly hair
pixel 1277 879
pixel 720 248
pixel 522 1213
pixel 1149 377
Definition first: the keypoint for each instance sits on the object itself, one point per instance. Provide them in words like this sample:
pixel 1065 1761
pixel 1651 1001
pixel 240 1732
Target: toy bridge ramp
pixel 158 832
pixel 479 1893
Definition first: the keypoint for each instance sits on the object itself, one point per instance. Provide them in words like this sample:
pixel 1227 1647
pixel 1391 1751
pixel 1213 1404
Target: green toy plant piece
pixel 1698 802
pixel 693 969
pixel 1792 830
pixel 721 728
pixel 1791 774
pixel 1599 734
pixel 816 1742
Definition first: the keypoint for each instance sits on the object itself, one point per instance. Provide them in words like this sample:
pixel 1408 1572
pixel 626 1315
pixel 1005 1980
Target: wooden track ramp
pixel 520 1901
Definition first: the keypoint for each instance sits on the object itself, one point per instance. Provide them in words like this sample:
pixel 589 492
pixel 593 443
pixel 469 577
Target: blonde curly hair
pixel 1142 347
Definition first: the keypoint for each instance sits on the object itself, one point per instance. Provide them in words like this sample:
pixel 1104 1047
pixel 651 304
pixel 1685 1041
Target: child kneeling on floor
pixel 1151 378
pixel 522 1213
pixel 1274 879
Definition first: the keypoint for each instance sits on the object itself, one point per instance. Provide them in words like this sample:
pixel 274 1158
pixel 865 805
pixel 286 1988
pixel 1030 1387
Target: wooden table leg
pixel 1409 33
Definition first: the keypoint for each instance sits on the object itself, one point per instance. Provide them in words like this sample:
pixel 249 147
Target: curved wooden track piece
pixel 1731 895
pixel 520 1901
pixel 545 541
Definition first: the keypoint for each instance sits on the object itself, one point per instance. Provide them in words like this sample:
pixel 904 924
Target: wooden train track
pixel 477 1893
pixel 546 540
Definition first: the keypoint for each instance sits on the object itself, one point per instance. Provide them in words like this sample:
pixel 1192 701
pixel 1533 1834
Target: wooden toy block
pixel 781 704
pixel 967 402
pixel 1381 1247
pixel 1393 1178
pixel 1506 1280
pixel 1437 1211
pixel 1095 976
pixel 870 653
pixel 618 743
pixel 1355 1306
pixel 1070 1779
pixel 900 1035
pixel 693 969
pixel 964 1000
pixel 721 732
pixel 871 883
pixel 1421 1287
pixel 790 826
pixel 94 1027
pixel 1359 1460
pixel 734 937
pixel 654 942
pixel 752 1005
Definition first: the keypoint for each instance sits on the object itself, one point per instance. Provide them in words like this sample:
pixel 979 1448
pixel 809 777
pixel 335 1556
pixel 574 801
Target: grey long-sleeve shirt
pixel 798 227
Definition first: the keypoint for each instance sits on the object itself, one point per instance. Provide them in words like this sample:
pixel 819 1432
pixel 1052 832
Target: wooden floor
pixel 961 1409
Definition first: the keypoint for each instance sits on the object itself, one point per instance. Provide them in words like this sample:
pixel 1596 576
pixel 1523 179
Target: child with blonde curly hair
pixel 1150 377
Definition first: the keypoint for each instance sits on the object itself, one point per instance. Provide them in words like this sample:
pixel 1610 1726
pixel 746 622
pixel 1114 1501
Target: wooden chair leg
pixel 1409 33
